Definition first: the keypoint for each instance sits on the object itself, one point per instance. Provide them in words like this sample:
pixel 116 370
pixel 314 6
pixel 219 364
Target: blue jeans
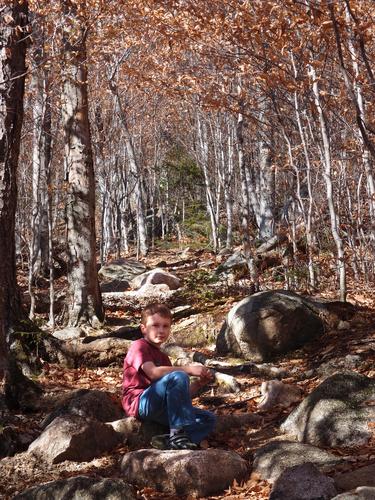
pixel 168 402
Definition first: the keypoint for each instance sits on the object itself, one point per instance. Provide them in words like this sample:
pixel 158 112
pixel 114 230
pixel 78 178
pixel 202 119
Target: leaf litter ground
pixel 22 471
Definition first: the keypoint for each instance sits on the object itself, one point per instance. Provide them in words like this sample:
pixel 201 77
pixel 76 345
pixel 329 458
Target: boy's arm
pixel 154 372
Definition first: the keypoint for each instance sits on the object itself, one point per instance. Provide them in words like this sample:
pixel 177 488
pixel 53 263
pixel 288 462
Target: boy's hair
pixel 155 308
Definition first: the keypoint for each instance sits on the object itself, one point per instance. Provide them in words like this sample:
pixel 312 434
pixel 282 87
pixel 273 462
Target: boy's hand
pixel 204 373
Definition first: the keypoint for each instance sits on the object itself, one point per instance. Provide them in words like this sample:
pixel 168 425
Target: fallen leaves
pixel 56 376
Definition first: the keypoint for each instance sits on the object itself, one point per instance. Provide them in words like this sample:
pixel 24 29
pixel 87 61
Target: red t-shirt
pixel 134 380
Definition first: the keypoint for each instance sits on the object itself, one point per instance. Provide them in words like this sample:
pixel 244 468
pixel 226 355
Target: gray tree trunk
pixel 245 212
pixel 85 304
pixel 266 193
pixel 39 246
pixel 13 35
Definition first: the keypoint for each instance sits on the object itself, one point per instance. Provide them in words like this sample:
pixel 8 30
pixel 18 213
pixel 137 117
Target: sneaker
pixel 160 442
pixel 180 441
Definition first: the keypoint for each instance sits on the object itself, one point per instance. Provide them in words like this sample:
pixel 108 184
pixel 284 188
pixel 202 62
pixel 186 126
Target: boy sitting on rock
pixel 154 390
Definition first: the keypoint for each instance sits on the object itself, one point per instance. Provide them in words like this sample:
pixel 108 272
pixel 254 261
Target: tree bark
pixel 13 41
pixel 326 158
pixel 84 302
pixel 39 246
pixel 245 212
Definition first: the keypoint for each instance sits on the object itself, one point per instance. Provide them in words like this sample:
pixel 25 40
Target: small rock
pixel 80 488
pixel 156 277
pixel 186 472
pixel 150 293
pixel 74 438
pixel 275 393
pixel 227 383
pixel 303 482
pixel 343 325
pixel 68 333
pixel 126 426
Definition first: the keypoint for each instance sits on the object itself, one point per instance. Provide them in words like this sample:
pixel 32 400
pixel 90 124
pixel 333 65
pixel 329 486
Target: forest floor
pixel 20 472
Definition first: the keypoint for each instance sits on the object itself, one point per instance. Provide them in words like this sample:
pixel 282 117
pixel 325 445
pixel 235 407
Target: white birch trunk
pixel 326 158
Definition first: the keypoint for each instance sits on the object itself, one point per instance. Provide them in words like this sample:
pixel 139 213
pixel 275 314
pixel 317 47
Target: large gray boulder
pixel 271 460
pixel 99 405
pixel 267 324
pixel 200 473
pixel 80 488
pixel 337 413
pixel 121 270
pixel 303 482
pixel 74 438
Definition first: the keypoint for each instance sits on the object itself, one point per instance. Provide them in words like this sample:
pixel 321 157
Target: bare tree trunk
pixel 13 39
pixel 85 303
pixel 326 157
pixel 267 178
pixel 142 240
pixel 202 143
pixel 245 215
pixel 223 147
pixel 362 117
pixel 308 217
pixel 39 246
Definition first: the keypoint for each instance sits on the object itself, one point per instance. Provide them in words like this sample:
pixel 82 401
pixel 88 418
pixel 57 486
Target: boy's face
pixel 157 329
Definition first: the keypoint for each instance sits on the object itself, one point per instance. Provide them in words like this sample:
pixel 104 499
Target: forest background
pixel 131 128
pixel 126 126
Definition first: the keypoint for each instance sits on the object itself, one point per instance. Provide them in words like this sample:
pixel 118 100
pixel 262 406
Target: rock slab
pixel 74 438
pixel 303 482
pixel 121 270
pixel 364 476
pixel 99 405
pixel 361 493
pixel 267 324
pixel 336 414
pixel 200 473
pixel 80 488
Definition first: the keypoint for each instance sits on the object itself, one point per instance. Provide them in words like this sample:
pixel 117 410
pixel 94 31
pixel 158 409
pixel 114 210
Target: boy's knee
pixel 178 377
